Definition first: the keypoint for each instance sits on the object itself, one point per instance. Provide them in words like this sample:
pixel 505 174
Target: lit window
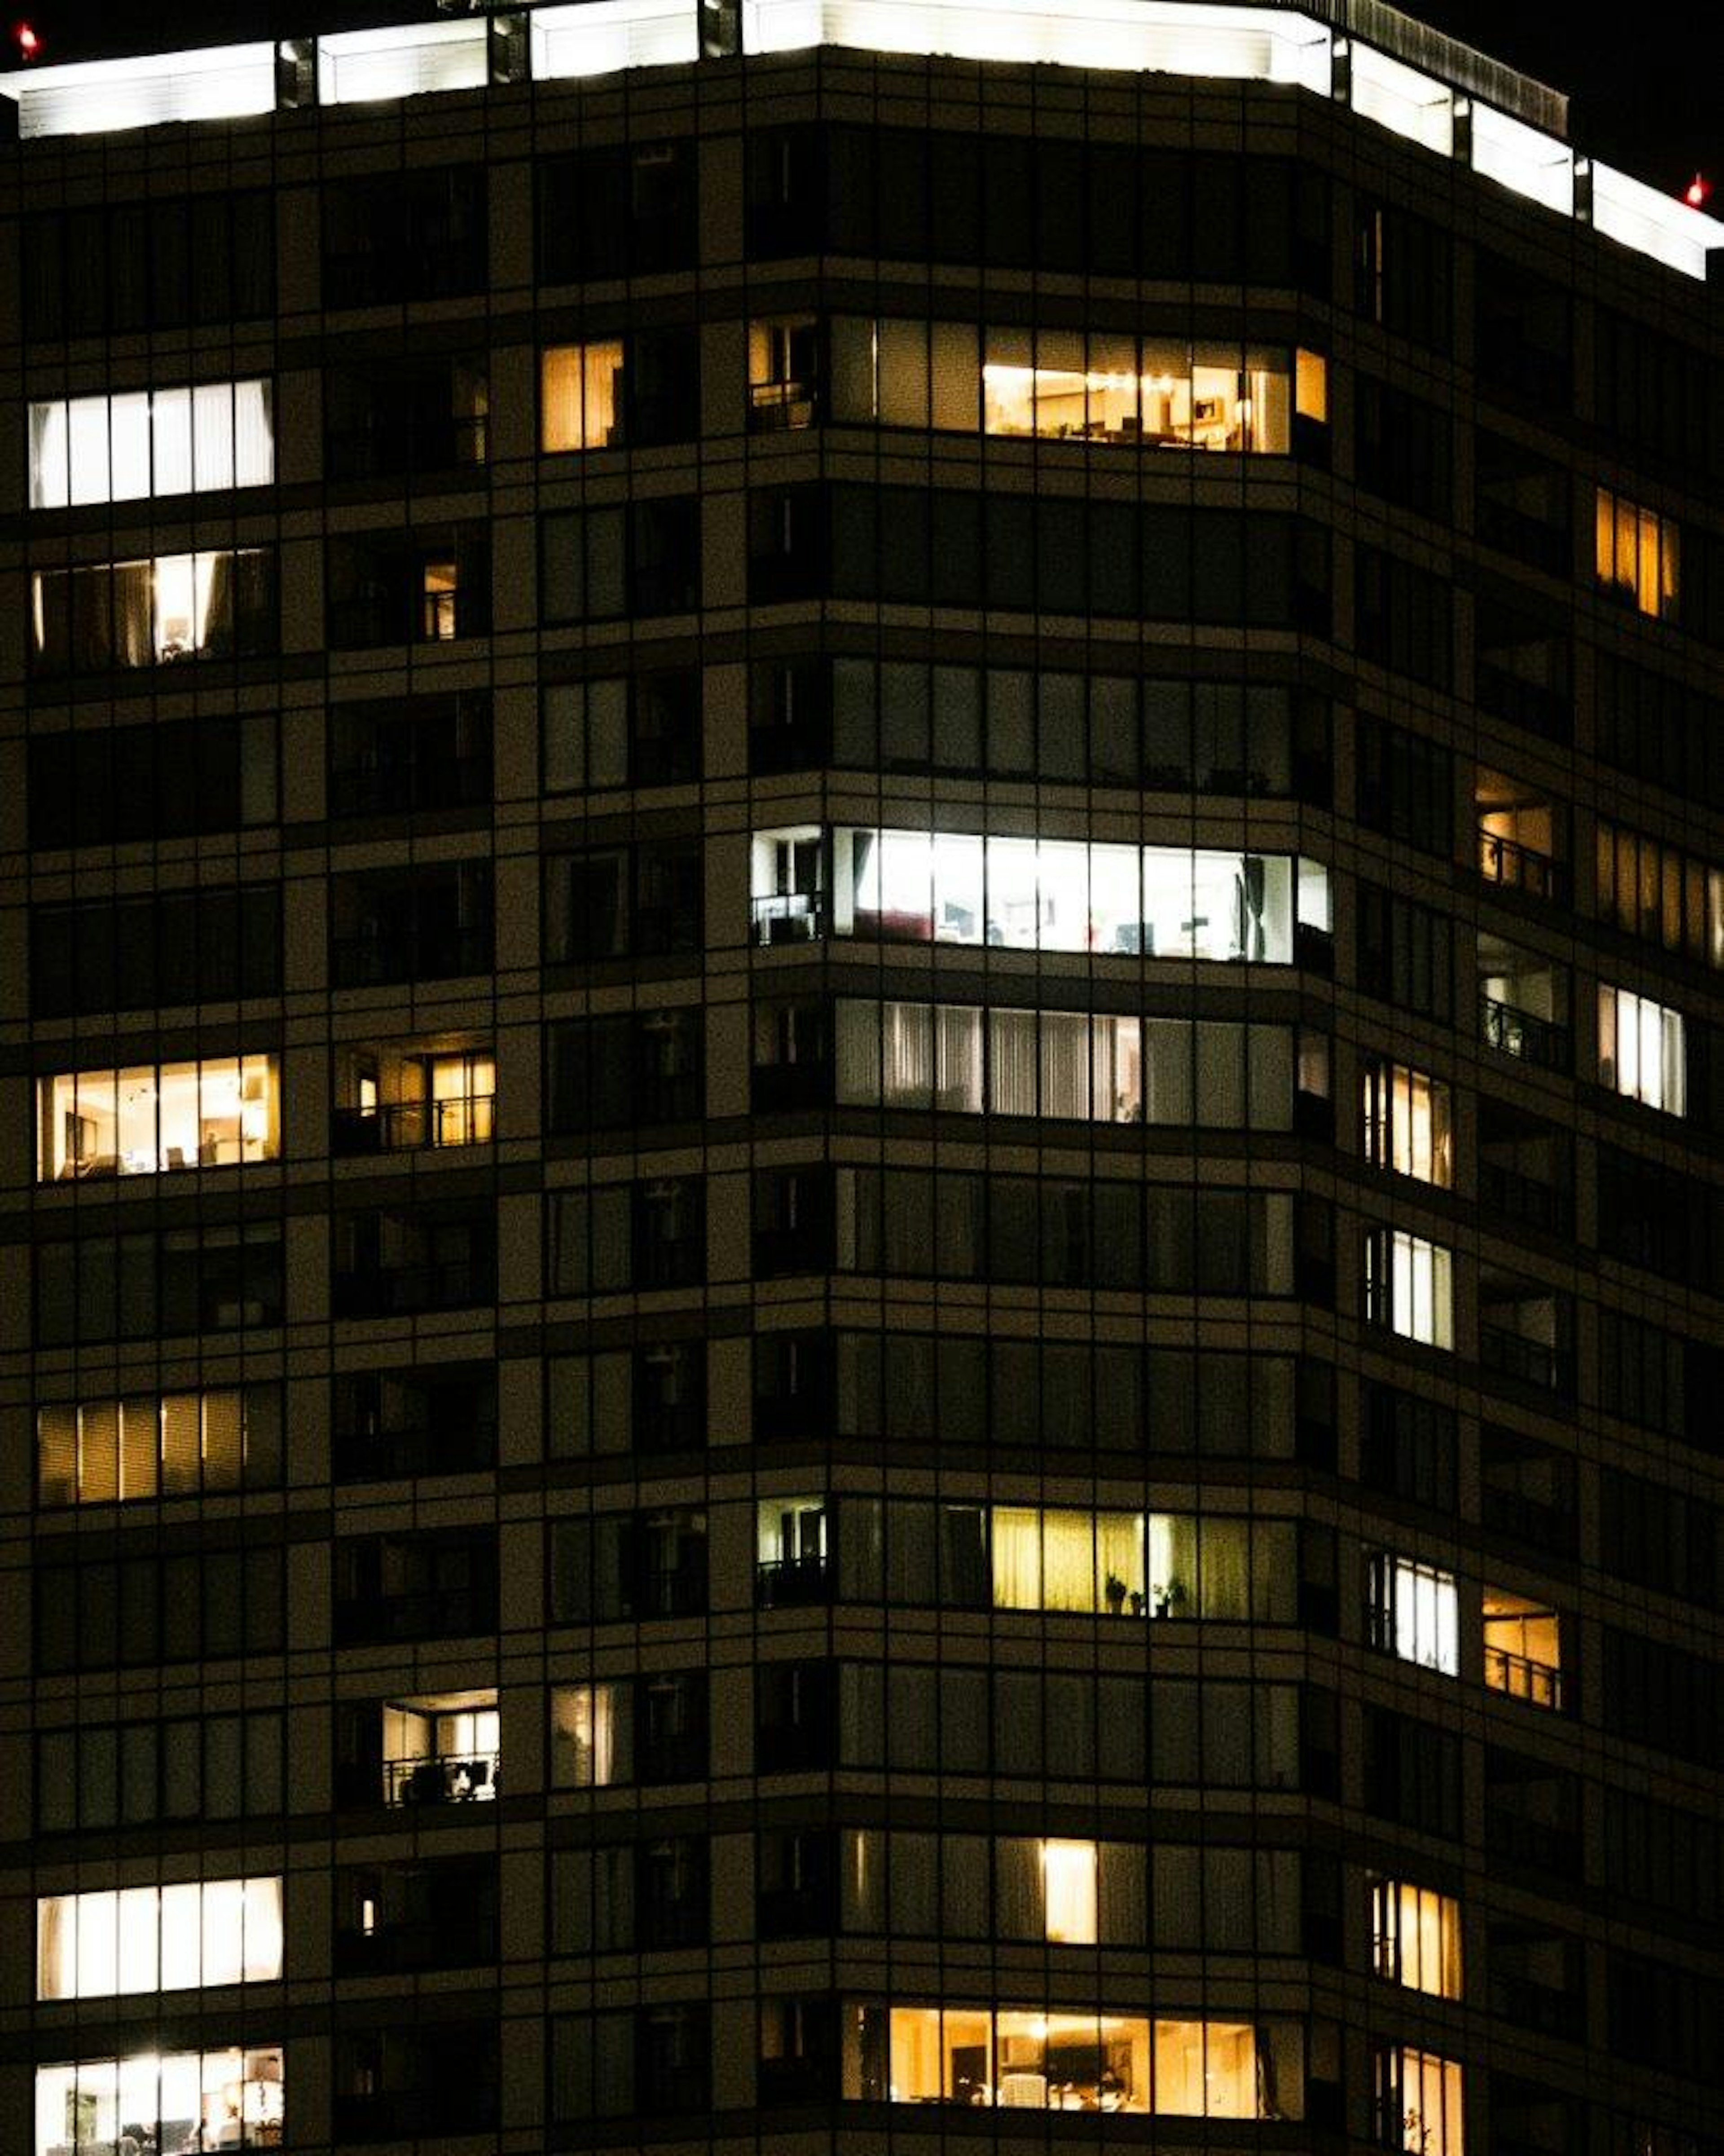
pixel 580 396
pixel 229 2099
pixel 1069 1891
pixel 1642 1050
pixel 167 441
pixel 1406 1122
pixel 157 1118
pixel 124 615
pixel 1523 1650
pixel 1638 555
pixel 1414 1611
pixel 1418 2102
pixel 464 1091
pixel 1659 894
pixel 1409 1286
pixel 1416 1937
pixel 441 1750
pixel 591 1733
pixel 158 1938
pixel 157 1444
pixel 783 359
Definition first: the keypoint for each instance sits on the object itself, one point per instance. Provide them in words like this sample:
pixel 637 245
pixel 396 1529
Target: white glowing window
pixel 124 448
pixel 176 2099
pixel 157 1118
pixel 1415 1935
pixel 1409 1287
pixel 1069 1891
pixel 1642 1050
pixel 1406 1122
pixel 1414 1612
pixel 158 1938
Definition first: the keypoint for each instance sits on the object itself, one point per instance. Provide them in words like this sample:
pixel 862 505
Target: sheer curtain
pixel 1068 1561
pixel 50 460
pixel 857 1051
pixel 1012 1062
pixel 1017 1532
pixel 907 1055
pixel 957 1055
pixel 1066 1064
pixel 254 434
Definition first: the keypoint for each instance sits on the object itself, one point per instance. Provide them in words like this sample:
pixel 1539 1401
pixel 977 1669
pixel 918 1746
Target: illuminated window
pixel 158 1938
pixel 157 1444
pixel 1069 1891
pixel 441 1750
pixel 229 2099
pixel 463 1091
pixel 1642 1050
pixel 124 448
pixel 1418 2102
pixel 1413 1611
pixel 1028 894
pixel 1416 1937
pixel 783 373
pixel 1659 894
pixel 157 1118
pixel 580 396
pixel 1409 1286
pixel 124 615
pixel 1523 1649
pixel 1638 556
pixel 591 1735
pixel 1406 1122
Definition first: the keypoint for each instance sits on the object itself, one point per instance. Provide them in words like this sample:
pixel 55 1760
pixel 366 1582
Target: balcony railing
pixel 405 1126
pixel 1517 1032
pixel 1517 867
pixel 790 1582
pixel 1512 1355
pixel 427 783
pixel 1506 694
pixel 399 1290
pixel 450 1779
pixel 792 916
pixel 386 450
pixel 1511 1837
pixel 1539 2006
pixel 386 1455
pixel 371 960
pixel 779 407
pixel 1522 1678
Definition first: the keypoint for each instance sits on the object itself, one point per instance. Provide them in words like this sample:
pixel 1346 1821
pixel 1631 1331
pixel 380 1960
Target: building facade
pixel 861 1088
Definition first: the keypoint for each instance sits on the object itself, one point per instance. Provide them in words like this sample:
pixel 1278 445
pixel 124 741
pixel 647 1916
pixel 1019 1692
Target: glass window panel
pixel 171 428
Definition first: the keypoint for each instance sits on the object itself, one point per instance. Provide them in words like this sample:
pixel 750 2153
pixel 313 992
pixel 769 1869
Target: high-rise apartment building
pixel 860 1093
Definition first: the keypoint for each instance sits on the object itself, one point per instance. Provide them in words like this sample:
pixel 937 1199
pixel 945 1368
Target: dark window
pixel 1658 1537
pixel 393 1919
pixel 637 730
pixel 405 2079
pixel 1532 1815
pixel 1412 1774
pixel 638 1068
pixel 403 417
pixel 1403 273
pixel 208 945
pixel 796 1883
pixel 428 586
pixel 1659 730
pixel 650 2061
pixel 620 1235
pixel 1661 1380
pixel 799 2051
pixel 1661 1697
pixel 794 1720
pixel 1406 787
pixel 1660 1217
pixel 431 923
pixel 619 210
pixel 182 1280
pixel 391 756
pixel 1523 665
pixel 389 237
pixel 1405 953
pixel 95 273
pixel 1523 334
pixel 1402 448
pixel 177 778
pixel 135 1773
pixel 435 1419
pixel 405 1259
pixel 128 1612
pixel 1403 618
pixel 1522 503
pixel 440 1584
pixel 651 1400
pixel 606 564
pixel 623 902
pixel 634 1566
pixel 1408 1446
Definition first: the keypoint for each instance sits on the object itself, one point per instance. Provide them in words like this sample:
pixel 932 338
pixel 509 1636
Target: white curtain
pixel 1066 1064
pixel 1012 1063
pixel 50 462
pixel 1017 1537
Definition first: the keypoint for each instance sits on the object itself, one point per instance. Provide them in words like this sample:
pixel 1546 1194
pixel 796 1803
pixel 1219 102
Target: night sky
pixel 1646 82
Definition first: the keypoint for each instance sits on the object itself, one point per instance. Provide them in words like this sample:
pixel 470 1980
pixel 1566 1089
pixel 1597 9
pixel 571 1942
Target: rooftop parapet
pixel 1388 69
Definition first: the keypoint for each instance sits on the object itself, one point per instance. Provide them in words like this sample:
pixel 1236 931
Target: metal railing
pixel 1522 1678
pixel 405 1126
pixel 1516 867
pixel 1517 1032
pixel 463 1778
pixel 791 916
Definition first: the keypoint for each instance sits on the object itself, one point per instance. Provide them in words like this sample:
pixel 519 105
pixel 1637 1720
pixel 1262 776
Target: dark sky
pixel 1646 82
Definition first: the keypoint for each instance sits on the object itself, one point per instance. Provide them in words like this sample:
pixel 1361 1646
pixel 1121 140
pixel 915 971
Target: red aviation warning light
pixel 27 41
pixel 1697 191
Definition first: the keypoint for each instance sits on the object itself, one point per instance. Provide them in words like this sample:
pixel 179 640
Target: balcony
pixel 1514 867
pixel 792 916
pixel 374 960
pixel 1522 1034
pixel 448 1778
pixel 381 1127
pixel 794 1583
pixel 1522 1650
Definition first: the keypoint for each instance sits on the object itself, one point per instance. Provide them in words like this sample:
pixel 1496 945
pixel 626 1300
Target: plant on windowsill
pixel 1115 1593
pixel 1169 1599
